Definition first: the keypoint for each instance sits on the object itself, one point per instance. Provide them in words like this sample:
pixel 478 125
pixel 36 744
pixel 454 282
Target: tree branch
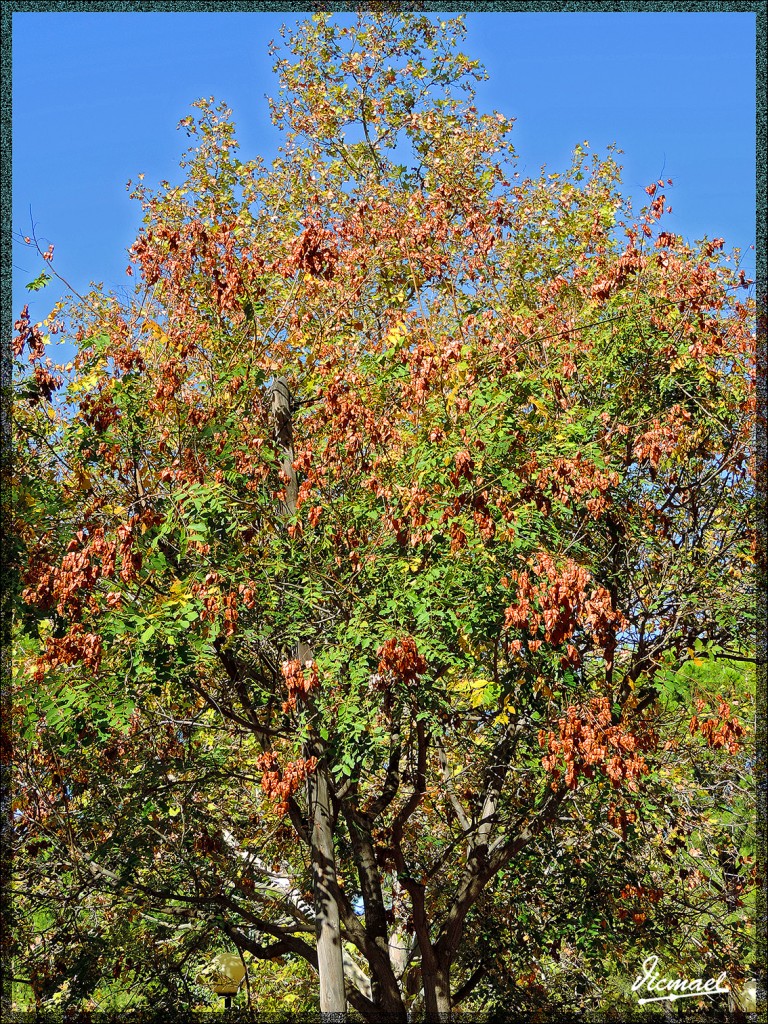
pixel 469 985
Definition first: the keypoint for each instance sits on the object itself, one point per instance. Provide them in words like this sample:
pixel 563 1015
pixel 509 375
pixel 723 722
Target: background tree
pixel 399 478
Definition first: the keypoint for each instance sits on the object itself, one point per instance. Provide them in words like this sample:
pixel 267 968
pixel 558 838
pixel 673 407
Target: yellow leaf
pixel 89 380
pixel 395 334
pixel 503 717
pixel 161 336
pixel 480 684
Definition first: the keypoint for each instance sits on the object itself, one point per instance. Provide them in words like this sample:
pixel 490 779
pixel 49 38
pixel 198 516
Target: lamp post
pixel 224 976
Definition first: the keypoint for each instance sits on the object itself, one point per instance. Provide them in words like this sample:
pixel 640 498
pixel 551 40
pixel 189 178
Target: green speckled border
pixel 9 7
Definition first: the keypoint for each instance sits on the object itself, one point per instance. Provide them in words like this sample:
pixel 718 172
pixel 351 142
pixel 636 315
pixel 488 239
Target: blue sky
pixel 96 99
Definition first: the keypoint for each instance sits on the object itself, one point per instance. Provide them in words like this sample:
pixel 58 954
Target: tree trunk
pixel 330 962
pixel 281 415
pixel 385 993
pixel 437 993
pixel 443 994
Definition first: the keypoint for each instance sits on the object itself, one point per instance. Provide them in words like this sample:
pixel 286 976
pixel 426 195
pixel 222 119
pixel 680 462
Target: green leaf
pixel 39 282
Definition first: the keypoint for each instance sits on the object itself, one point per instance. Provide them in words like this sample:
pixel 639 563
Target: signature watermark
pixel 675 988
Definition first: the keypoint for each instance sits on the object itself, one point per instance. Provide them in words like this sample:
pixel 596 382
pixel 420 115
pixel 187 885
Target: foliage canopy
pixel 409 481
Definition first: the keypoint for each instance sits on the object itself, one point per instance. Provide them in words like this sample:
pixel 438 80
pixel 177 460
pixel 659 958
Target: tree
pixel 357 547
pixel 680 883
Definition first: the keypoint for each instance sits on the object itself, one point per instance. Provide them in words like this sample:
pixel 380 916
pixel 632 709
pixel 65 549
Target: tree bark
pixel 443 993
pixel 385 991
pixel 437 990
pixel 330 962
pixel 281 415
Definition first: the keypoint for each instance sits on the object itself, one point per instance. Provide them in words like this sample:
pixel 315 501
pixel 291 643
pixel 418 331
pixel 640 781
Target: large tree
pixel 357 546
